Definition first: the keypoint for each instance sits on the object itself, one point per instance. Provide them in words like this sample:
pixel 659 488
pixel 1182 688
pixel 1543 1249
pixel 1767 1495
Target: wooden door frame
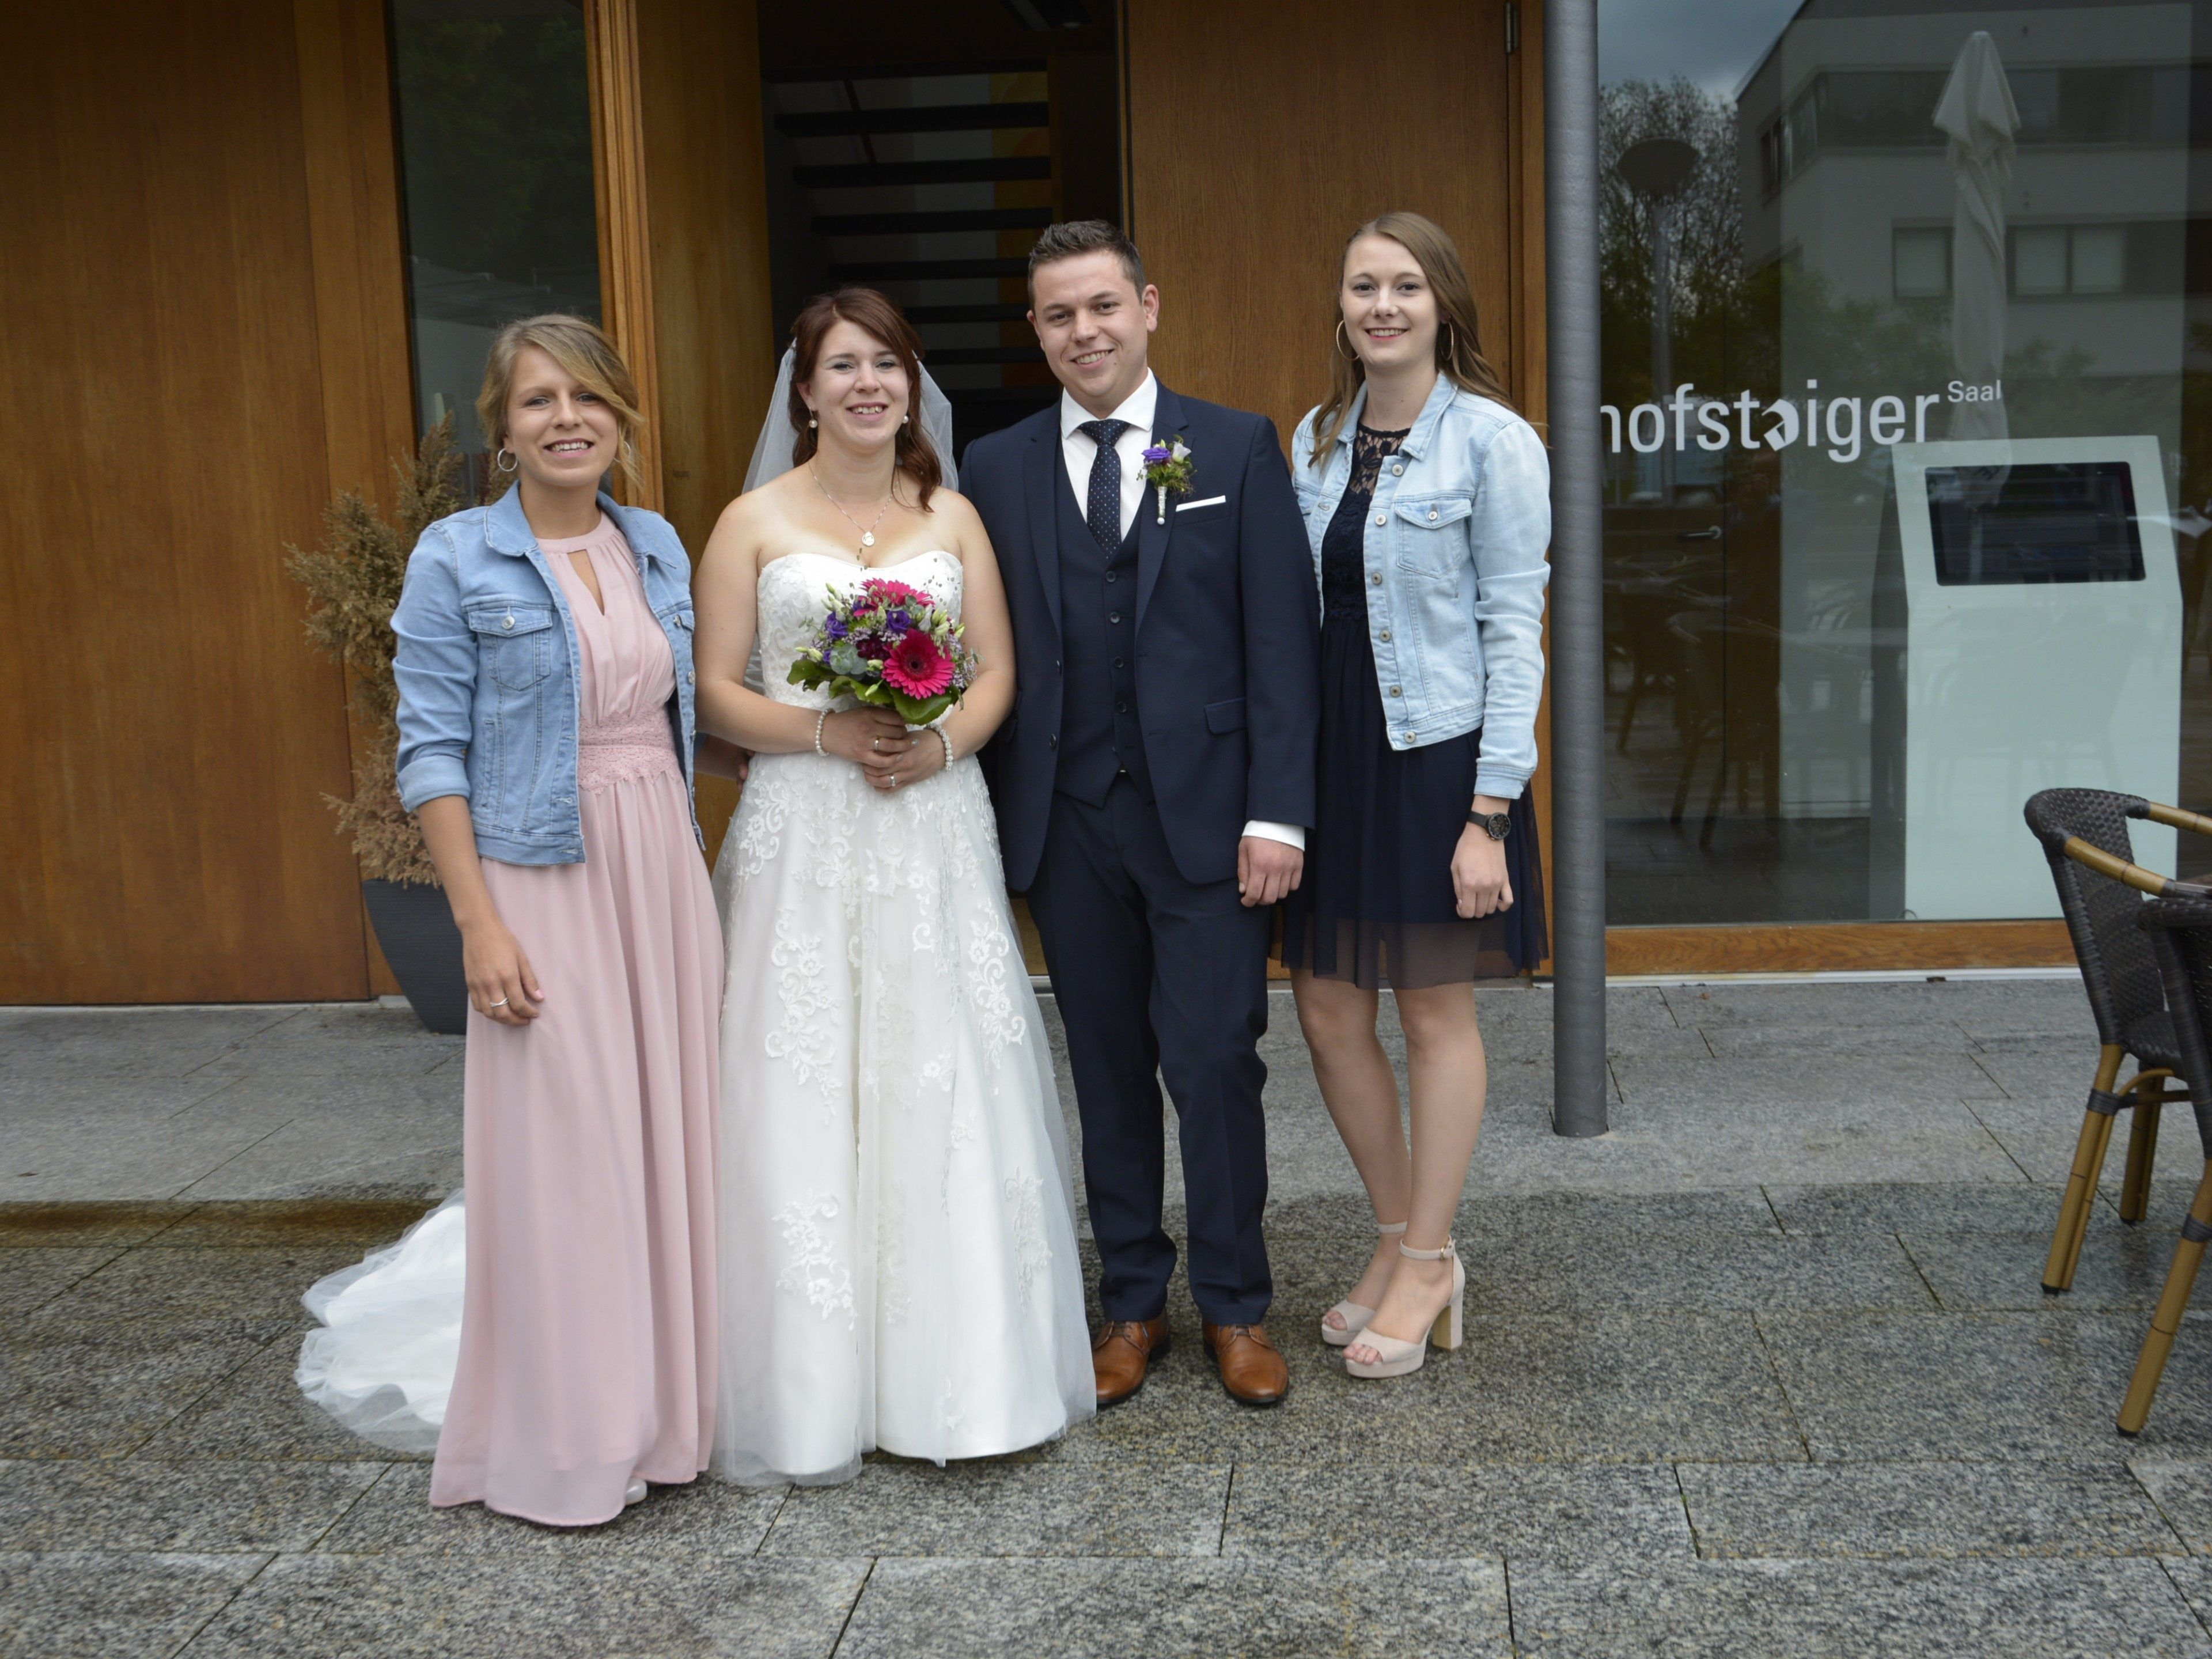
pixel 618 181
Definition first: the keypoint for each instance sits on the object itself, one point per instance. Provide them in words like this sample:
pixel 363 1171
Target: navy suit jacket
pixel 1228 634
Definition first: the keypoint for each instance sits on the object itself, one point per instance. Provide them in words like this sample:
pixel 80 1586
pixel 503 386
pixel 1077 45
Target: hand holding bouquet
pixel 892 647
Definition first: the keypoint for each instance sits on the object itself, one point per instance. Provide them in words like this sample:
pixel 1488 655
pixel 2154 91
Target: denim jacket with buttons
pixel 1454 550
pixel 490 700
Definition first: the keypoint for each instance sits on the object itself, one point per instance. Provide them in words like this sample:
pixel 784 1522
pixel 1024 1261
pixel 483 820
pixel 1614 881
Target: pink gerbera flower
pixel 891 592
pixel 917 667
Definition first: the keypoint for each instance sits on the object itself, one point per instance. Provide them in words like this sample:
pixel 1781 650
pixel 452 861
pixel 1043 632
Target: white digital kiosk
pixel 2027 635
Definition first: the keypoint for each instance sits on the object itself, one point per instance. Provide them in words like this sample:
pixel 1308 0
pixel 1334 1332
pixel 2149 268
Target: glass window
pixel 2100 259
pixel 1921 262
pixel 2039 260
pixel 1907 466
pixel 495 178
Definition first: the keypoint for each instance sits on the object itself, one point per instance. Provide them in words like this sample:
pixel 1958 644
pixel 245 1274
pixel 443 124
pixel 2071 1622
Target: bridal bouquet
pixel 889 645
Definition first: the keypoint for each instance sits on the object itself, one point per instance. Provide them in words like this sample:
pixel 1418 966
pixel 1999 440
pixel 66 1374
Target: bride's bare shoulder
pixel 958 519
pixel 746 523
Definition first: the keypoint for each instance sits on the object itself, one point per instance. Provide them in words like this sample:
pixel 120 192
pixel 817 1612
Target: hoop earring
pixel 1344 343
pixel 505 461
pixel 1445 344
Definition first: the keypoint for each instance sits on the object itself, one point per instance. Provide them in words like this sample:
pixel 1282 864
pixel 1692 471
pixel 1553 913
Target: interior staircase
pixel 929 182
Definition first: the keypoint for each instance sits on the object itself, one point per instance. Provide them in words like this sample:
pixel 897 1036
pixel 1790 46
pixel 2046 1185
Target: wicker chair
pixel 2180 931
pixel 2084 834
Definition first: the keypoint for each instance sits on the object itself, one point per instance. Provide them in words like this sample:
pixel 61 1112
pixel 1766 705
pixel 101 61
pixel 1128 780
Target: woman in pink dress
pixel 546 737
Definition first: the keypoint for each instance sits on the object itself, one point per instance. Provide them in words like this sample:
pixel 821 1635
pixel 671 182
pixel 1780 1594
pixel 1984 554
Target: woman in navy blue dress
pixel 1427 501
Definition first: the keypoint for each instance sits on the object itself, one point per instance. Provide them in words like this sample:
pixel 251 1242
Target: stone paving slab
pixel 2114 1609
pixel 101 1391
pixel 30 1278
pixel 564 1605
pixel 1110 1609
pixel 115 1042
pixel 158 1281
pixel 1981 1386
pixel 80 1604
pixel 1009 1508
pixel 2182 1489
pixel 2121 1268
pixel 255 1413
pixel 152 1504
pixel 1603 1388
pixel 1924 1207
pixel 1878 1511
pixel 1566 1512
pixel 339 1041
pixel 705 1518
pixel 1617 1262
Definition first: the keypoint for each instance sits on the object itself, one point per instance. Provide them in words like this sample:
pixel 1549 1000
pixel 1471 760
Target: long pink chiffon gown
pixel 588 1346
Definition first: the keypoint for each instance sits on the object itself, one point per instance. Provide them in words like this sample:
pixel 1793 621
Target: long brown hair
pixel 583 349
pixel 1459 342
pixel 878 318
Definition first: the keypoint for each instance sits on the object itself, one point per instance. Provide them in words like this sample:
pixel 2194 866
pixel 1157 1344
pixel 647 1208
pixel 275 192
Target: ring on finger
pixel 502 1003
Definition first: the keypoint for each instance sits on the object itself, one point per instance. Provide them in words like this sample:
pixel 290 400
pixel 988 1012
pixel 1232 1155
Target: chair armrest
pixel 2175 818
pixel 2142 880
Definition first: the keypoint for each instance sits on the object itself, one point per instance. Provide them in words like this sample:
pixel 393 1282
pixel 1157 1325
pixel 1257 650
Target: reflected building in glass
pixel 1905 469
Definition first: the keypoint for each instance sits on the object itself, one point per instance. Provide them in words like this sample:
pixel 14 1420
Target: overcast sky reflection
pixel 1713 43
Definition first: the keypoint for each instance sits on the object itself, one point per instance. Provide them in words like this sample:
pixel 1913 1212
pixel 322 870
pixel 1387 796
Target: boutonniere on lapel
pixel 1167 469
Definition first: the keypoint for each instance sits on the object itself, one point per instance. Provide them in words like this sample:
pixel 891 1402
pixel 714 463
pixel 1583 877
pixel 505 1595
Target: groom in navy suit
pixel 1155 783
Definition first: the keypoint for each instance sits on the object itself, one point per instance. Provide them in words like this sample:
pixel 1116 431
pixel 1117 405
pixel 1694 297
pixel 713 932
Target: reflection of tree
pixel 1708 233
pixel 497 140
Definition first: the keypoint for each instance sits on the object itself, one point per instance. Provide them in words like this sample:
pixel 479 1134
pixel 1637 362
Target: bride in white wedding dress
pixel 898 1257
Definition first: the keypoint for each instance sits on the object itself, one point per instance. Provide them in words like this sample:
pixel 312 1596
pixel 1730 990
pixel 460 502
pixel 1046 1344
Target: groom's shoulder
pixel 1243 424
pixel 998 448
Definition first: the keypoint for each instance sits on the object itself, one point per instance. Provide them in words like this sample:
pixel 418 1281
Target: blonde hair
pixel 583 349
pixel 1459 344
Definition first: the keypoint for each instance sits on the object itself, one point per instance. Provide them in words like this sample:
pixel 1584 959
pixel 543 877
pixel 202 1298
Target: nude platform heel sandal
pixel 1355 1317
pixel 1400 1357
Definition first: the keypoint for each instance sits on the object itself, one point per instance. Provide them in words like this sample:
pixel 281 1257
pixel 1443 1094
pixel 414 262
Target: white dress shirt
pixel 1079 449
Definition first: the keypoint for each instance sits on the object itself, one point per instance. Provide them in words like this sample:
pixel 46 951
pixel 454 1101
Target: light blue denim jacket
pixel 1456 545
pixel 489 698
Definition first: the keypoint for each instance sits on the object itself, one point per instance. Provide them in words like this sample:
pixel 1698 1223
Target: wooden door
pixel 205 334
pixel 1261 132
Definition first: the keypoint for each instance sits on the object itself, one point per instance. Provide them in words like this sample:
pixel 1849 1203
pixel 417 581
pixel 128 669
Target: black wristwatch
pixel 1496 825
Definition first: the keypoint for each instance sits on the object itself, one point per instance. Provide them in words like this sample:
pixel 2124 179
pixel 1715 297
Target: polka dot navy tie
pixel 1103 514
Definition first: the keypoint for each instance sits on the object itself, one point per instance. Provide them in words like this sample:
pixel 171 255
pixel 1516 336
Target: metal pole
pixel 1662 333
pixel 1579 1078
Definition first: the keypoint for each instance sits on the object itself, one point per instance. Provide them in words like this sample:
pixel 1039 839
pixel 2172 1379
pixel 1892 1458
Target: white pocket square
pixel 1211 501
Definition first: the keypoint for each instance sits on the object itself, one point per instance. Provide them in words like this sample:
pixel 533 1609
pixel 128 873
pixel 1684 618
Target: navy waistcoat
pixel 1099 737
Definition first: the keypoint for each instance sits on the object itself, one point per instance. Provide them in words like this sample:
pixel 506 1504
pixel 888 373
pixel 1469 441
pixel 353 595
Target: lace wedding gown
pixel 898 1260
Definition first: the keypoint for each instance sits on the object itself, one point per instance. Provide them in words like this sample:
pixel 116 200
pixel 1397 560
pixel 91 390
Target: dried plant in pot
pixel 353 577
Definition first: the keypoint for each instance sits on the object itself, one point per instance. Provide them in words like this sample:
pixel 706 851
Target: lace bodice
pixel 1343 548
pixel 793 595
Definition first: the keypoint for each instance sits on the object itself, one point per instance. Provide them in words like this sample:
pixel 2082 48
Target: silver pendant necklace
pixel 867 530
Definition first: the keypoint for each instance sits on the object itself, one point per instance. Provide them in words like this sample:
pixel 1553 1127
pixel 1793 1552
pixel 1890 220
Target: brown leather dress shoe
pixel 1251 1369
pixel 1120 1353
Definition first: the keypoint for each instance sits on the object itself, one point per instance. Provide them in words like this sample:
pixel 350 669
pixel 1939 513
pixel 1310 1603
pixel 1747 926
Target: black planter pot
pixel 415 926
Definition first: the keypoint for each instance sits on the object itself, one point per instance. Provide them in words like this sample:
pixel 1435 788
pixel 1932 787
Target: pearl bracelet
pixel 820 721
pixel 943 737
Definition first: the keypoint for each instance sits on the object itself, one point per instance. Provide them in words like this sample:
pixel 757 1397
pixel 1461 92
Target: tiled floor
pixel 1766 1371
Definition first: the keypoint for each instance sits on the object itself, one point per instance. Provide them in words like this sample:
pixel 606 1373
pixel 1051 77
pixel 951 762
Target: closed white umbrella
pixel 1977 113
